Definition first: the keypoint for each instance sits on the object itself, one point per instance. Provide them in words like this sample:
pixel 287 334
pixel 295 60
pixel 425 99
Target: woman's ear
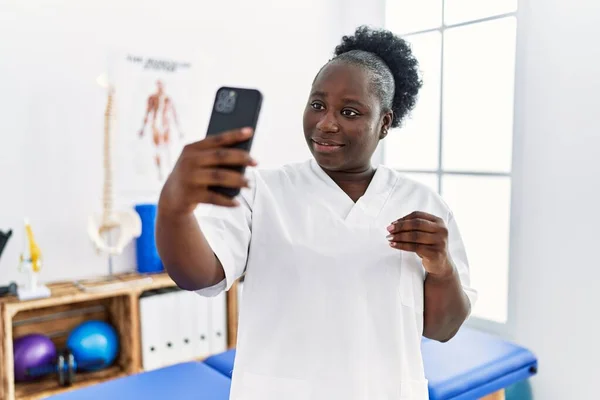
pixel 387 123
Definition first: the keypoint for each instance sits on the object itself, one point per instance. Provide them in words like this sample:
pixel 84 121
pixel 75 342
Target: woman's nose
pixel 328 124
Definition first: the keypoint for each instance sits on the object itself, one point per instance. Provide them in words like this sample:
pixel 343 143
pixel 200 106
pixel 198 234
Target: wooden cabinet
pixel 68 306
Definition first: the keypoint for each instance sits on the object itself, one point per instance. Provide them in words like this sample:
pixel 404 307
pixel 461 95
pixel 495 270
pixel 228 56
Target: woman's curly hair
pixel 390 60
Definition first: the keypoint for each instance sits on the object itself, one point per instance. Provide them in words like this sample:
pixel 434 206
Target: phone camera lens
pixel 226 101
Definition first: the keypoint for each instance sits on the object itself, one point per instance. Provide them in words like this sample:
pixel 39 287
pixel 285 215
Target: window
pixel 458 139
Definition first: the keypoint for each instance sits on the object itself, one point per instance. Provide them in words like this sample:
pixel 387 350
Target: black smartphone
pixel 234 108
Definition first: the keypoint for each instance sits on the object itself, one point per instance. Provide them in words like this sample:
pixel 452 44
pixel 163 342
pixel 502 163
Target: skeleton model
pixel 112 230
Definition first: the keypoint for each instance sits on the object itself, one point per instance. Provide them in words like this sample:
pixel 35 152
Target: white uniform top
pixel 330 310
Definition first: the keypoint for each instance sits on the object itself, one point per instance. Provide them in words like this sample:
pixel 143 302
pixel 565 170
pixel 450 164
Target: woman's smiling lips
pixel 326 145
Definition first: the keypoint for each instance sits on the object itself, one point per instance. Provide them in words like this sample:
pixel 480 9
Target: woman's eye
pixel 317 106
pixel 349 113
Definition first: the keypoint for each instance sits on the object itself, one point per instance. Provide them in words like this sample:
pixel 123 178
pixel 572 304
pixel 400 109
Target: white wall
pixel 52 109
pixel 555 270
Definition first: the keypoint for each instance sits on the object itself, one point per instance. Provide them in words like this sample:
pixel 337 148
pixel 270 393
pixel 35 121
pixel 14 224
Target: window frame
pixel 479 322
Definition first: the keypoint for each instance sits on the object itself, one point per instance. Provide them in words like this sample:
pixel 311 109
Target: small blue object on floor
pixel 474 364
pixel 471 365
pixel 182 381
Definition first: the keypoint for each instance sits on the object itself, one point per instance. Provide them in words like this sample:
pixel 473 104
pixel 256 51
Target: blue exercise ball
pixel 94 344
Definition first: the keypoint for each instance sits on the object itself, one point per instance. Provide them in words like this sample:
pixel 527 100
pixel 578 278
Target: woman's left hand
pixel 427 236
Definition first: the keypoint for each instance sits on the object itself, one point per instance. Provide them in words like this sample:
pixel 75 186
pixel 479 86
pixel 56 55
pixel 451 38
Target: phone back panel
pixel 234 108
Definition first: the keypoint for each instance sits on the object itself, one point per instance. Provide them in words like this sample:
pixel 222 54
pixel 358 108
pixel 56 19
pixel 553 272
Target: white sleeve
pixel 228 232
pixel 458 255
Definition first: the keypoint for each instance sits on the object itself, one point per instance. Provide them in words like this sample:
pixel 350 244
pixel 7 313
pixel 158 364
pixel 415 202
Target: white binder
pixel 189 340
pixel 202 331
pixel 169 317
pixel 218 323
pixel 179 326
pixel 151 335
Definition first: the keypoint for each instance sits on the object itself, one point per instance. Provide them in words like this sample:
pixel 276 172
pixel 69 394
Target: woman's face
pixel 343 119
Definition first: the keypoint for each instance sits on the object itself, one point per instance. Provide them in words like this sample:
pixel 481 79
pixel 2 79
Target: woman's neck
pixel 353 182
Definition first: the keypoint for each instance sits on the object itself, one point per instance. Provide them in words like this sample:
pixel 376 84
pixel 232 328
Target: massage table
pixel 189 380
pixel 473 365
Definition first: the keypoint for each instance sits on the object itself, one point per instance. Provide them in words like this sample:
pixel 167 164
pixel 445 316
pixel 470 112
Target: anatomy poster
pixel 159 103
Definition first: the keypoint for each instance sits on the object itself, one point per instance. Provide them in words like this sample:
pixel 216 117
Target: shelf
pixel 68 293
pixel 49 385
pixel 67 307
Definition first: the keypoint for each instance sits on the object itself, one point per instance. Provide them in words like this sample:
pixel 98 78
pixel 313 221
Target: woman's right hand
pixel 200 166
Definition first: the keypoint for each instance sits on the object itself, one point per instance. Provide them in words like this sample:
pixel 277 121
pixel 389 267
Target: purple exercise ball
pixel 30 351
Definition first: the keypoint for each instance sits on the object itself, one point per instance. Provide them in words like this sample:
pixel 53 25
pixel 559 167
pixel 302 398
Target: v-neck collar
pixel 370 203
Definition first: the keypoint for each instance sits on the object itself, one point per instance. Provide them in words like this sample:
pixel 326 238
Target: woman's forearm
pixel 446 306
pixel 185 252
